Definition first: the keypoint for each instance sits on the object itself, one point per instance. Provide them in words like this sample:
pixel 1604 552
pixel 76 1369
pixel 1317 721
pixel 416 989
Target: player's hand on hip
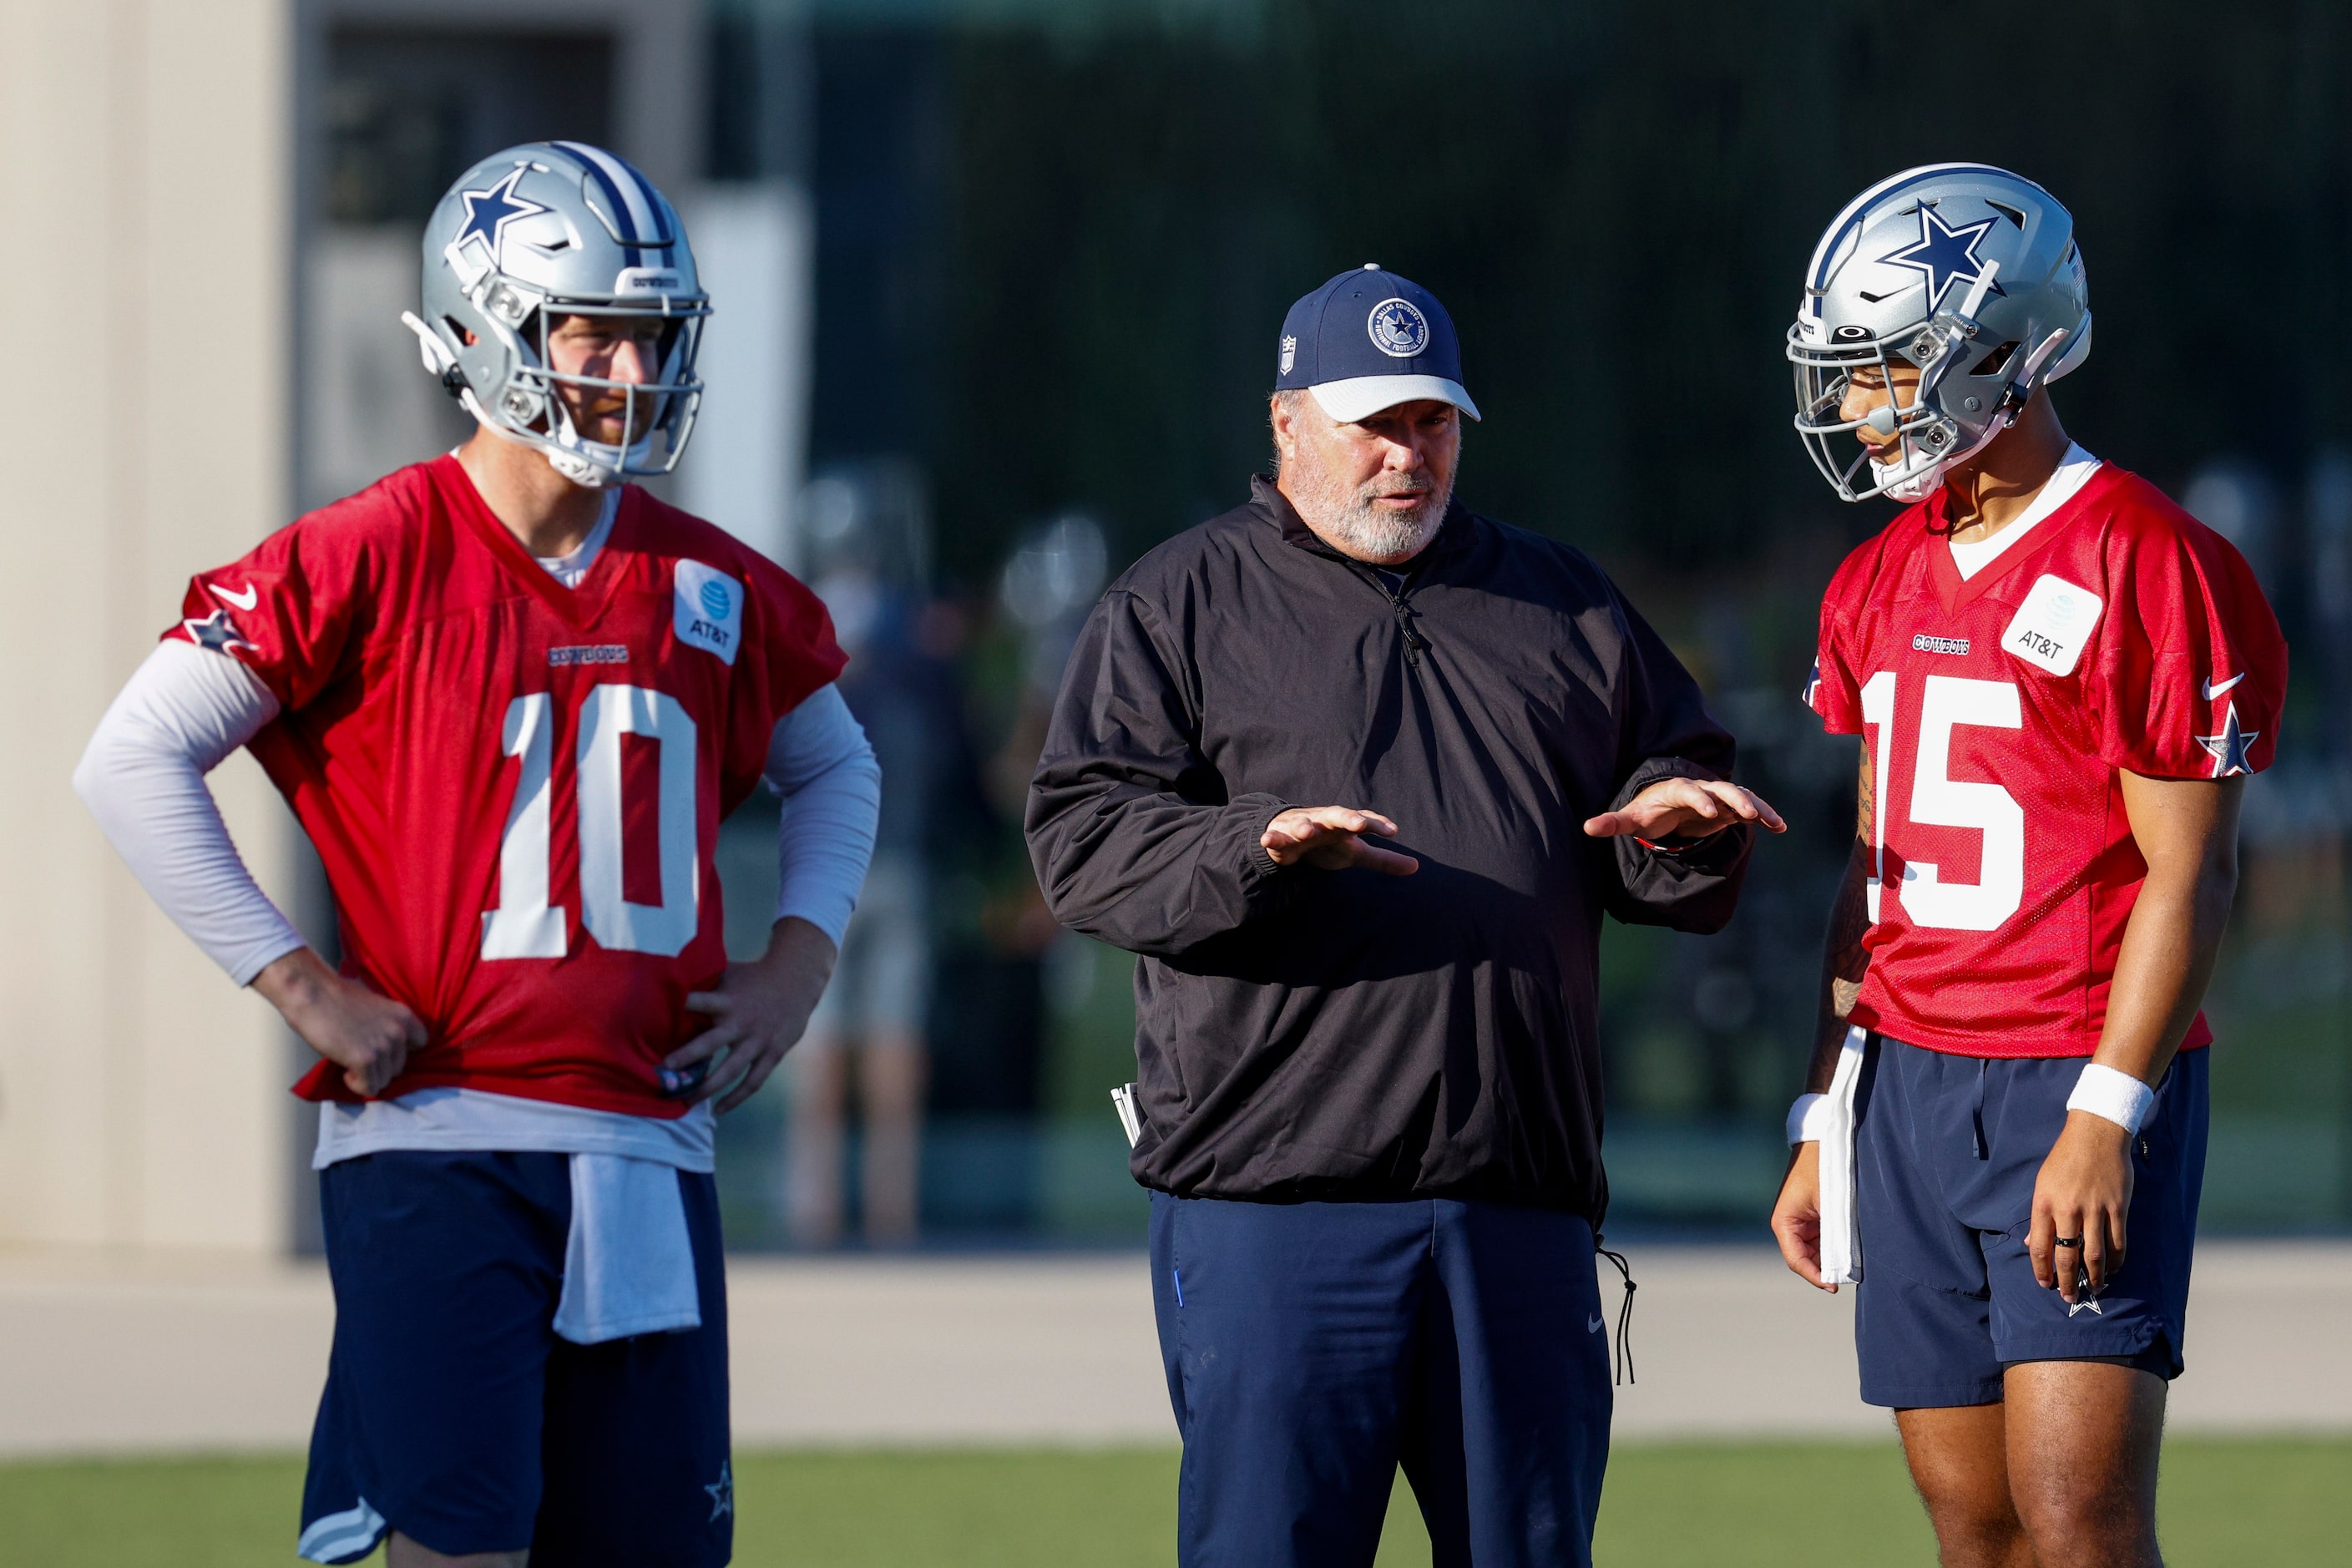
pixel 363 1032
pixel 1331 838
pixel 1797 1217
pixel 2080 1199
pixel 1692 807
pixel 759 1012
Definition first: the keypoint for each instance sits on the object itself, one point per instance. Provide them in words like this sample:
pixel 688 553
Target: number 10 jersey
pixel 2119 634
pixel 515 786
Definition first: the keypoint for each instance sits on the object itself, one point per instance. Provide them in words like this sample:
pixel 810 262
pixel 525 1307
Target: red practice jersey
pixel 2120 634
pixel 515 786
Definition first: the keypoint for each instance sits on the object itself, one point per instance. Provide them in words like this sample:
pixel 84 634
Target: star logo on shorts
pixel 722 1492
pixel 2088 1303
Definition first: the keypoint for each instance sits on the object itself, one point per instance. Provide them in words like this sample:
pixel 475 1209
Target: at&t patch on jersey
pixel 709 609
pixel 2050 627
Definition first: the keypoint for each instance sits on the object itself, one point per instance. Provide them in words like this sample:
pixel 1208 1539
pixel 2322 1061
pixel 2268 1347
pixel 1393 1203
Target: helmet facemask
pixel 1952 414
pixel 539 413
pixel 529 405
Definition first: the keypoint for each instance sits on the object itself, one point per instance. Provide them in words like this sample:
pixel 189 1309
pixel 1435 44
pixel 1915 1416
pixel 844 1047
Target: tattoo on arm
pixel 1843 959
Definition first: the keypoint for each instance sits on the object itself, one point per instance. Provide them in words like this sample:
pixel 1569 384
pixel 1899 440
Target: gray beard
pixel 1369 533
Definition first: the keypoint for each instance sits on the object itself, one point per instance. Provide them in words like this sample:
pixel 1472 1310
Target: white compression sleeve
pixel 142 776
pixel 821 762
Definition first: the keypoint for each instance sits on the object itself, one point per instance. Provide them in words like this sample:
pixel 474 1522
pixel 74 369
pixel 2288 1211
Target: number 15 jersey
pixel 515 786
pixel 2119 634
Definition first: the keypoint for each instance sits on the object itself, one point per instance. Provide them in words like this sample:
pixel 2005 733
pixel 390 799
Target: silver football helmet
pixel 1968 272
pixel 541 231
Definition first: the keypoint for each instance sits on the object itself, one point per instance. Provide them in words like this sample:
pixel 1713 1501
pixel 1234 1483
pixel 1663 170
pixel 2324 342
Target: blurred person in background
pixel 1356 771
pixel 510 697
pixel 868 529
pixel 2063 680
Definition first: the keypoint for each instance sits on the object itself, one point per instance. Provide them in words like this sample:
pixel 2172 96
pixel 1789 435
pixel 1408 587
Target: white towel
pixel 1840 1250
pixel 628 1262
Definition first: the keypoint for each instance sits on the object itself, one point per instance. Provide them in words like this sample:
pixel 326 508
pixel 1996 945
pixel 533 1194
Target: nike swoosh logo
pixel 2212 691
pixel 1594 1327
pixel 252 596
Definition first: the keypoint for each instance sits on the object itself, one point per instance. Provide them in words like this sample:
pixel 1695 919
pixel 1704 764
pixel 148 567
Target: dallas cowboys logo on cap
pixel 1397 330
pixel 1946 256
pixel 1369 340
pixel 488 213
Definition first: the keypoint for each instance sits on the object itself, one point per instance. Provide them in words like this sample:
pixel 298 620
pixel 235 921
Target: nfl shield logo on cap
pixel 1369 340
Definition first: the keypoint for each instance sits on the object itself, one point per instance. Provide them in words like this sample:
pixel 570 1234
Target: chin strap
pixel 586 472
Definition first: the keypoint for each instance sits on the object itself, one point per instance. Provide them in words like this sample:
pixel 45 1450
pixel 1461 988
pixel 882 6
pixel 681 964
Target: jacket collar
pixel 1274 508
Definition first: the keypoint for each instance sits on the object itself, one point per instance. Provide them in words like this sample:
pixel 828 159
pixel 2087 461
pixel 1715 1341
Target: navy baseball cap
pixel 1369 340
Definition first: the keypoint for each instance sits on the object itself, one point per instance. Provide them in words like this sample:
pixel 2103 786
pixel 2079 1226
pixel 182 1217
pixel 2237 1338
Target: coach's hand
pixel 1797 1217
pixel 2084 1191
pixel 759 1012
pixel 1330 838
pixel 363 1032
pixel 1692 807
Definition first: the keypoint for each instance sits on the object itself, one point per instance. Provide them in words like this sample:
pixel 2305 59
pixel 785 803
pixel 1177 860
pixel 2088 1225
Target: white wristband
pixel 1808 1119
pixel 2117 1096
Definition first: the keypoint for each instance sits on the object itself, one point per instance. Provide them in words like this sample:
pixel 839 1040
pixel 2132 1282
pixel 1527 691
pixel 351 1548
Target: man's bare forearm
pixel 1843 963
pixel 2187 832
pixel 1845 960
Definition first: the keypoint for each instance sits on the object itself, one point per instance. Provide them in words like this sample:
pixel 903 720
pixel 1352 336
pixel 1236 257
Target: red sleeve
pixel 1831 691
pixel 792 634
pixel 293 610
pixel 789 651
pixel 2191 673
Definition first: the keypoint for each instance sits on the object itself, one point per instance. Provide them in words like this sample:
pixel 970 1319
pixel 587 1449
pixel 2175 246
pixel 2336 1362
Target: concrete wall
pixel 145 155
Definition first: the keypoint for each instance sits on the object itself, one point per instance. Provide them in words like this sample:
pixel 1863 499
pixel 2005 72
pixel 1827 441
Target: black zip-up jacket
pixel 1305 1034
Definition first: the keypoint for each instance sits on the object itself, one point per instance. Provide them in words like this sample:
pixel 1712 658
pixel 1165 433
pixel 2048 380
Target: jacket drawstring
pixel 1624 1311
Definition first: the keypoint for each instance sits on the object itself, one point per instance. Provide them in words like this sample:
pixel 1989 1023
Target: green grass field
pixel 1758 1505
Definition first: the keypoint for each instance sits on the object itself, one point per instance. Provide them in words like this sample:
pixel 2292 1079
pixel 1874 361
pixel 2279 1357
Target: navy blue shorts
pixel 1311 1348
pixel 1946 1157
pixel 455 1414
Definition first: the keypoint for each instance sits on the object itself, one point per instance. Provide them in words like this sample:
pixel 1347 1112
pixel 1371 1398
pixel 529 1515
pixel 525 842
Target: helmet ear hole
pixel 452 375
pixel 1997 359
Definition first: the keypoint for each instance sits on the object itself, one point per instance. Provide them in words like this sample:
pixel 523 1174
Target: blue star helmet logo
pixel 2230 747
pixel 488 213
pixel 1946 256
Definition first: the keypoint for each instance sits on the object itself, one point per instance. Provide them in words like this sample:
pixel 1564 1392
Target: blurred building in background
pixel 1023 261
